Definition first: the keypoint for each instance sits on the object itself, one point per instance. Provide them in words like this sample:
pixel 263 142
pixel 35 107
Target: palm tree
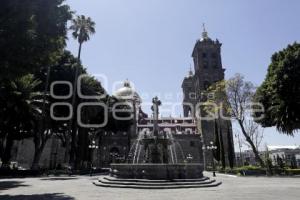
pixel 21 108
pixel 82 28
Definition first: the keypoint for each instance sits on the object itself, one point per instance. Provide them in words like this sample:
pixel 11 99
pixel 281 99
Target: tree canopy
pixel 32 34
pixel 82 28
pixel 280 91
pixel 33 37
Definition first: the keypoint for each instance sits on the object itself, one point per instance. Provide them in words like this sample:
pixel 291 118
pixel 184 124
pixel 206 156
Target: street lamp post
pixel 211 147
pixel 92 147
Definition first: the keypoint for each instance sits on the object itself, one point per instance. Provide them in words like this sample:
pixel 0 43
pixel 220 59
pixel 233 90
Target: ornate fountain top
pixel 156 103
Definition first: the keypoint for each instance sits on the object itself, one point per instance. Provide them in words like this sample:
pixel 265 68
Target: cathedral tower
pixel 208 69
pixel 207 62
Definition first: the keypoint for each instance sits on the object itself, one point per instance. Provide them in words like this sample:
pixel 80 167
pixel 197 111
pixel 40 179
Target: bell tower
pixel 207 62
pixel 190 97
pixel 208 70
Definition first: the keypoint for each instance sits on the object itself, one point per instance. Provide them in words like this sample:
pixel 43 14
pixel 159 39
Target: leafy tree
pixel 65 70
pixel 89 115
pixel 280 92
pixel 217 100
pixel 32 35
pixel 115 104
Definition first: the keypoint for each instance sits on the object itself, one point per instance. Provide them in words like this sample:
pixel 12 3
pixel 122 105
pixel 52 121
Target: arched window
pixel 188 131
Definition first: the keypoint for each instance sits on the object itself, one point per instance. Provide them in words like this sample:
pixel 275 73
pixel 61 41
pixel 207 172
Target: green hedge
pixel 244 170
pixel 249 167
pixel 292 172
pixel 256 171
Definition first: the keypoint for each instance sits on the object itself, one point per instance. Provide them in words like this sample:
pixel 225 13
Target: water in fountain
pixel 140 150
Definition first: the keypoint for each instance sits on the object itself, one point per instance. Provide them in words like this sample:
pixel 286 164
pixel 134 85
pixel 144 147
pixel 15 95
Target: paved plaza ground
pixel 81 188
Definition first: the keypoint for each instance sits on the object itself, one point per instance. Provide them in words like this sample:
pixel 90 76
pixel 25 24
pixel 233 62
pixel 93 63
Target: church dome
pixel 127 93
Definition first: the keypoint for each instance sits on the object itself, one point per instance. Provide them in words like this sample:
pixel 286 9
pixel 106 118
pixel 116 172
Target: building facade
pixel 286 155
pixel 191 132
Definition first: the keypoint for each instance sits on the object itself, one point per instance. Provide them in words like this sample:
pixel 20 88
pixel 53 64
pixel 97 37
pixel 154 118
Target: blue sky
pixel 150 41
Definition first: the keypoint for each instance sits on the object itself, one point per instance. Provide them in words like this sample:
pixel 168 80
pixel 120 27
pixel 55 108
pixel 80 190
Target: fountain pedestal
pixel 155 171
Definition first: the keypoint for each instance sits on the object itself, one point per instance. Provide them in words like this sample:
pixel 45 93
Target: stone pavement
pixel 81 188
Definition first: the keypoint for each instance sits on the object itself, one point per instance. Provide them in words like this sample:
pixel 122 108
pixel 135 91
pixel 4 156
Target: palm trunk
pixel 7 153
pixel 37 156
pixel 39 144
pixel 73 121
pixel 82 146
pixel 79 52
pixel 248 139
pixel 1 148
pixel 45 93
pixel 73 147
pixel 67 150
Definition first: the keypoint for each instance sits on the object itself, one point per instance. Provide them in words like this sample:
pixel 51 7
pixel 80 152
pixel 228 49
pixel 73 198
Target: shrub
pixel 292 171
pixel 245 170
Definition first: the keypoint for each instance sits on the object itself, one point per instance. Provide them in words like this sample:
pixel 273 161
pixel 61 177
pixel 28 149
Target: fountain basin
pixel 157 171
pixel 162 141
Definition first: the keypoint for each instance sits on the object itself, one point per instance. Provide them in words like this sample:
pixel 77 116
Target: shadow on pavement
pixel 50 196
pixel 58 179
pixel 5 185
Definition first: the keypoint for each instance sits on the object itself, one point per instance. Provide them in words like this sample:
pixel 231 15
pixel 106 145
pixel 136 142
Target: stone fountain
pixel 153 163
